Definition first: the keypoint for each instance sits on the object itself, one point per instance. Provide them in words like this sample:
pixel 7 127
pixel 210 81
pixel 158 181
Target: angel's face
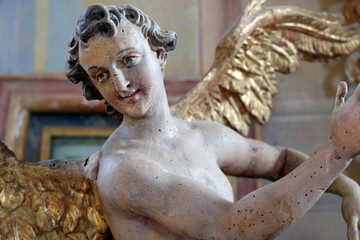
pixel 124 70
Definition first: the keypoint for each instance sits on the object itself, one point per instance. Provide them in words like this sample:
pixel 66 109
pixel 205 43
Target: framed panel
pixel 23 95
pixel 72 142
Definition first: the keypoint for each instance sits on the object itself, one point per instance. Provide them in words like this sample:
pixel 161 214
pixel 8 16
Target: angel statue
pixel 162 176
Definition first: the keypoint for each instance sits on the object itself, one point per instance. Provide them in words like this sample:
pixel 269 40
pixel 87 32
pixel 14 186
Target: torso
pixel 191 159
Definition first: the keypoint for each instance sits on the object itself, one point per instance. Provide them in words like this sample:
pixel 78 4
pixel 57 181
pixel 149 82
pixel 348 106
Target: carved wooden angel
pixel 162 177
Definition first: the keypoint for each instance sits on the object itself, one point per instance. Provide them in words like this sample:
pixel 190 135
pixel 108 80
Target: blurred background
pixel 42 113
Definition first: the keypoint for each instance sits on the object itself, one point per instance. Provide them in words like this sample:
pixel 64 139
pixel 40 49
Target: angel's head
pixel 109 24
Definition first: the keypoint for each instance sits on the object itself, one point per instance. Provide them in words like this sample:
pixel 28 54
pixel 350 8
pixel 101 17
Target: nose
pixel 120 82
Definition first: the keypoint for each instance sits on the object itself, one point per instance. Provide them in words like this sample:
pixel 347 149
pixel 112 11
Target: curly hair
pixel 100 20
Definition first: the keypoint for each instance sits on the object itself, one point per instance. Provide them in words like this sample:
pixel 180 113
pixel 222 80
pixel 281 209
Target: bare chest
pixel 192 160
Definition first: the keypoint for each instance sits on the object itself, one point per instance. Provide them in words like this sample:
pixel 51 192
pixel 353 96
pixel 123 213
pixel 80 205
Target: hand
pixel 345 122
pixel 351 212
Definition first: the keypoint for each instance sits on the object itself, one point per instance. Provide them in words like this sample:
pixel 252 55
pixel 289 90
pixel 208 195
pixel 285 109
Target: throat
pixel 156 127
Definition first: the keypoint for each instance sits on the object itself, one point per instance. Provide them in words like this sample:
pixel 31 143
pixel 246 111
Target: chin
pixel 137 114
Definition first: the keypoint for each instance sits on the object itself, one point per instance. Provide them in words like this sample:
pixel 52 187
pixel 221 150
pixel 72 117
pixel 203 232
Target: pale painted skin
pixel 163 178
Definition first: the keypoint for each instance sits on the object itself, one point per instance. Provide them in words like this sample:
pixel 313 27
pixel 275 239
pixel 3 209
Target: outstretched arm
pixel 260 160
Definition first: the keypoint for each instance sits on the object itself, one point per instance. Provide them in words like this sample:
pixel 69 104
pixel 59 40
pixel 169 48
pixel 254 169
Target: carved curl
pixel 100 20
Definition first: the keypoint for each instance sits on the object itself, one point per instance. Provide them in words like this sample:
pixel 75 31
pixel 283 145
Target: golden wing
pixel 240 84
pixel 37 202
pixel 351 12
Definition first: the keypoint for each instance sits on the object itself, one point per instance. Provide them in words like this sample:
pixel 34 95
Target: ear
pixel 161 55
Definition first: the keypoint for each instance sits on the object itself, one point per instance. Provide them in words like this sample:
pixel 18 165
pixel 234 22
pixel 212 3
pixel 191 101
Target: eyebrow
pixel 120 52
pixel 124 50
pixel 92 67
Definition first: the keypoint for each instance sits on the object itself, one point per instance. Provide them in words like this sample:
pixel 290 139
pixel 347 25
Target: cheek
pixel 147 82
pixel 146 78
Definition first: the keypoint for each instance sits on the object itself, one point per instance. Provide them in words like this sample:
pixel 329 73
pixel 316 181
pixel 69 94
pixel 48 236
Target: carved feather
pixel 351 12
pixel 37 202
pixel 242 81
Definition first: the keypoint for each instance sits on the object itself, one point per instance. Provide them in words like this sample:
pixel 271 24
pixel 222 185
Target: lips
pixel 130 95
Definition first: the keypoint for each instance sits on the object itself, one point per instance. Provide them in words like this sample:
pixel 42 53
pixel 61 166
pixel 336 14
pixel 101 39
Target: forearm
pixel 293 158
pixel 287 199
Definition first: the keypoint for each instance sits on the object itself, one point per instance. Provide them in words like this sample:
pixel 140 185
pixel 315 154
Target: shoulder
pixel 208 126
pixel 205 127
pixel 228 145
pixel 214 131
pixel 91 165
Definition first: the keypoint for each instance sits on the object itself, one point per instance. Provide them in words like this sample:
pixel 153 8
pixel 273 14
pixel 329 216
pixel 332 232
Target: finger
pixel 340 95
pixel 352 229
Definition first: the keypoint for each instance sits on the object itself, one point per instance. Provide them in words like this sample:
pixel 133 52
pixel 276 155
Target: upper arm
pixel 181 204
pixel 240 156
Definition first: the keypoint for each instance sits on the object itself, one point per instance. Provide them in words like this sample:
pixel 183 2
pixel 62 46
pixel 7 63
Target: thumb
pixel 340 95
pixel 352 229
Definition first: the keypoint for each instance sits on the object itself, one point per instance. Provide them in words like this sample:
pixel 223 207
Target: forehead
pixel 101 48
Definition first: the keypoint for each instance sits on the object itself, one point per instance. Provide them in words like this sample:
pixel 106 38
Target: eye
pixel 130 61
pixel 102 76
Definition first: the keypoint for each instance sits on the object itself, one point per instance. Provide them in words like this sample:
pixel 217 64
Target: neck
pixel 158 124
